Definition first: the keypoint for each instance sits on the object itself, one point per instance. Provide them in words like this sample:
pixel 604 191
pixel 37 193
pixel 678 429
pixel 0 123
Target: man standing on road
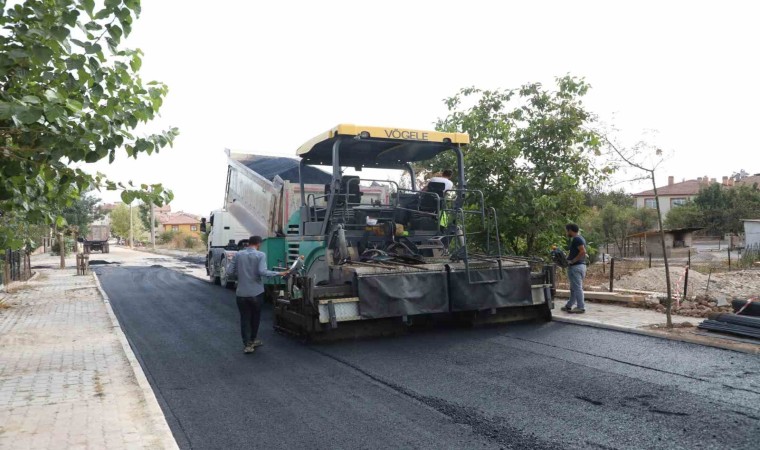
pixel 576 270
pixel 250 266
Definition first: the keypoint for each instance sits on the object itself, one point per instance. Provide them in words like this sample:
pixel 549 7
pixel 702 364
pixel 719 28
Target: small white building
pixel 752 233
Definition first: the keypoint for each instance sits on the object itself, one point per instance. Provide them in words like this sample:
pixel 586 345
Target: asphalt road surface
pixel 535 386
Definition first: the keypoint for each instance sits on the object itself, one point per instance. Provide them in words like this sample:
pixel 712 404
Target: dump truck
pixel 97 239
pixel 263 197
pixel 421 254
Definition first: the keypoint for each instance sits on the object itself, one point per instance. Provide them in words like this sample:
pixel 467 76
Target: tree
pixel 69 94
pixel 120 222
pixel 646 158
pixel 685 216
pixel 530 154
pixel 144 210
pixel 719 209
pixel 81 213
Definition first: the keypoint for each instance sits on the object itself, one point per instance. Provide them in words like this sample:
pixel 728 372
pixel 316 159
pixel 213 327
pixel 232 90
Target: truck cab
pixel 226 235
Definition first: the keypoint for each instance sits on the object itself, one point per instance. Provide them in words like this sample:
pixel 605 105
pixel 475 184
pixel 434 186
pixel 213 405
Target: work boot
pixel 257 343
pixel 249 348
pixel 566 308
pixel 577 311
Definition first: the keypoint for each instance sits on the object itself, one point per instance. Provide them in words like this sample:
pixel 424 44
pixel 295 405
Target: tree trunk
pixel 669 304
pixel 62 250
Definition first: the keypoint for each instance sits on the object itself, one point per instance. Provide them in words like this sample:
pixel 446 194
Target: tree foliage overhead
pixel 69 93
pixel 531 153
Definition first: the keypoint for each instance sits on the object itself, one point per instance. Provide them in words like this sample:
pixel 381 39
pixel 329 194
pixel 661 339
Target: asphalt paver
pixel 526 385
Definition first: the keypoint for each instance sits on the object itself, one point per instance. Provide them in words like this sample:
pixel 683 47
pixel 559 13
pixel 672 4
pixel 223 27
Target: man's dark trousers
pixel 250 316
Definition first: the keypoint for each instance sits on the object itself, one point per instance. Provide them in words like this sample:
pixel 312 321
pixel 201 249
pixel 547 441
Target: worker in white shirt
pixel 444 178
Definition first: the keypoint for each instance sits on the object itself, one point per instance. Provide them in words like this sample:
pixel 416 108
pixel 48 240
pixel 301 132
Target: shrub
pixel 68 245
pixel 190 241
pixel 167 237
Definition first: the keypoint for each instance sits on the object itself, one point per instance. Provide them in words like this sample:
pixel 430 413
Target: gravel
pixel 729 285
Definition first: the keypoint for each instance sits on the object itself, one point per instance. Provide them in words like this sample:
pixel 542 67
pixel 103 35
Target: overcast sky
pixel 264 77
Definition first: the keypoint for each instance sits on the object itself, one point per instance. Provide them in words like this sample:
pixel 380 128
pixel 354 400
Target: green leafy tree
pixel 70 93
pixel 531 154
pixel 120 222
pixel 685 216
pixel 81 213
pixel 723 208
pixel 144 209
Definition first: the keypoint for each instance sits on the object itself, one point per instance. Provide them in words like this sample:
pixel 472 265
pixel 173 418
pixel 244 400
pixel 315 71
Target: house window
pixel 193 228
pixel 650 203
pixel 175 227
pixel 677 202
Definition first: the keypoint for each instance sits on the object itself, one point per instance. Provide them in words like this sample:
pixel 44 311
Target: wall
pixel 664 202
pixel 185 229
pixel 752 233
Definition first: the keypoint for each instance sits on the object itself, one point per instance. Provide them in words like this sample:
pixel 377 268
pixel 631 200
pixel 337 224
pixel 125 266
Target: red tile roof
pixel 179 219
pixel 749 181
pixel 688 187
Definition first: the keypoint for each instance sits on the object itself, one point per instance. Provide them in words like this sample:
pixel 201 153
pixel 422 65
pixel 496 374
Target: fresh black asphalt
pixel 535 386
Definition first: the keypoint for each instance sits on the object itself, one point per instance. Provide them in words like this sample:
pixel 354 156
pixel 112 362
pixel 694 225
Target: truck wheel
pixel 223 279
pixel 212 278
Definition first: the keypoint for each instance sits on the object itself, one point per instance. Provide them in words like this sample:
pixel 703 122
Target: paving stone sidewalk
pixel 67 376
pixel 648 322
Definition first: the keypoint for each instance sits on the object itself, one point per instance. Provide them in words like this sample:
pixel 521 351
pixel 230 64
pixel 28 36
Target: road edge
pixel 155 413
pixel 654 334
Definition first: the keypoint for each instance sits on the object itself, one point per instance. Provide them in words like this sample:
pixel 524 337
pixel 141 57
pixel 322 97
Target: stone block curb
pixel 151 403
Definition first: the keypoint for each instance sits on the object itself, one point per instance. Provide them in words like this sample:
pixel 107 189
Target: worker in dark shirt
pixel 576 270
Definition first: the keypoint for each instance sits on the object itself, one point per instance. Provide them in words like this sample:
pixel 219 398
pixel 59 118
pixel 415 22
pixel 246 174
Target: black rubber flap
pixel 402 294
pixel 512 290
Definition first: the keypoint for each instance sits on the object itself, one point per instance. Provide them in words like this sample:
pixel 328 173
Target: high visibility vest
pixel 444 222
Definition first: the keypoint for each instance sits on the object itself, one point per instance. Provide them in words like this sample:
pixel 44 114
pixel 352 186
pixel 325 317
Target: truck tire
pixel 212 277
pixel 106 248
pixel 223 279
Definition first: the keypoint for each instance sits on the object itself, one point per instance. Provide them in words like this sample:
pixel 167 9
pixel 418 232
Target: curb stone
pixel 166 438
pixel 655 334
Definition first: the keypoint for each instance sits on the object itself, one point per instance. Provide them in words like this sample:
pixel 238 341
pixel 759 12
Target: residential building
pixel 181 222
pixel 678 242
pixel 672 195
pixel 752 180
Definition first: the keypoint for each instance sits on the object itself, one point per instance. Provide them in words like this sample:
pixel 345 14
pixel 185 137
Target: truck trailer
pixel 414 254
pixel 97 239
pixel 263 197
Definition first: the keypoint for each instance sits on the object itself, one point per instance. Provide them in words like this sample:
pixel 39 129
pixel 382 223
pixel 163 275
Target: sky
pixel 265 77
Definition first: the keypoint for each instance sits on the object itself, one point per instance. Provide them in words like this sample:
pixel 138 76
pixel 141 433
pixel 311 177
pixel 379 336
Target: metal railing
pixel 15 266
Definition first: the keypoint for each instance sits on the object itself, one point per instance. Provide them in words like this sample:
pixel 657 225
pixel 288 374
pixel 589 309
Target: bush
pixel 68 245
pixel 190 241
pixel 167 237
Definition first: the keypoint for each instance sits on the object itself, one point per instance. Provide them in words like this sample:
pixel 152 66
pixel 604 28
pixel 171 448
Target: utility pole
pixel 152 226
pixel 131 234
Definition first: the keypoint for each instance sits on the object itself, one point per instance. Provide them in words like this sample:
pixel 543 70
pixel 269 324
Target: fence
pixel 15 266
pixel 726 273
